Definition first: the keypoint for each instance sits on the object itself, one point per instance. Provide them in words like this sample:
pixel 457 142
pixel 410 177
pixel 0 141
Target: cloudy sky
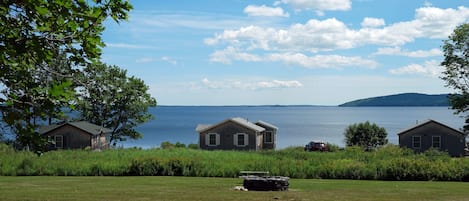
pixel 286 52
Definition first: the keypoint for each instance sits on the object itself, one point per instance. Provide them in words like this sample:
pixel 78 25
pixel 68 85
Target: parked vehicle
pixel 316 146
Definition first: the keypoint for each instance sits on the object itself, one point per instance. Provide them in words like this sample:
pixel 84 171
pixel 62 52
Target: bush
pixel 333 147
pixel 366 135
pixel 167 145
pixel 180 145
pixel 193 146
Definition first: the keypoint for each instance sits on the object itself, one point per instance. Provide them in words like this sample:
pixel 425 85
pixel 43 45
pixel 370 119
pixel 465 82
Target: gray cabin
pixel 76 135
pixel 433 134
pixel 237 134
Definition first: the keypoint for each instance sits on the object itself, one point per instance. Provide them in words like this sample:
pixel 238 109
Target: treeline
pixel 387 163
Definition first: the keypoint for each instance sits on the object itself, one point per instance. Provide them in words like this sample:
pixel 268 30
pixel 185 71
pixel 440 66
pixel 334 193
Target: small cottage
pixel 237 134
pixel 76 135
pixel 433 134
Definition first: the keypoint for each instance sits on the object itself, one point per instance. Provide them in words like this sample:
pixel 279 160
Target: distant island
pixel 405 99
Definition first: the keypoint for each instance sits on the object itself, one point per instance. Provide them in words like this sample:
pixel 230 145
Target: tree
pixel 32 33
pixel 41 97
pixel 366 135
pixel 112 99
pixel 456 73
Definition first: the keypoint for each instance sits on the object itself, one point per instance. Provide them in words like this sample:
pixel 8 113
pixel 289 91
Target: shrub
pixel 180 145
pixel 333 147
pixel 167 145
pixel 366 135
pixel 193 146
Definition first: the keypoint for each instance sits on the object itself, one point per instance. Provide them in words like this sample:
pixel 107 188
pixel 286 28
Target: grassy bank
pixel 198 188
pixel 388 163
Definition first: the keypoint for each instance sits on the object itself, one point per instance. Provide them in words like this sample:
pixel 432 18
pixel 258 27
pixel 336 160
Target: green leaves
pixel 456 73
pixel 57 90
pixel 366 135
pixel 32 33
pixel 112 99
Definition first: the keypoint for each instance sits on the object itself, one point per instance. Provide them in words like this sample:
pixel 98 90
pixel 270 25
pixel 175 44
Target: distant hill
pixel 405 99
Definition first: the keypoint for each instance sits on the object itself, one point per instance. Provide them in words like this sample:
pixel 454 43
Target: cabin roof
pixel 429 121
pixel 88 127
pixel 266 124
pixel 243 122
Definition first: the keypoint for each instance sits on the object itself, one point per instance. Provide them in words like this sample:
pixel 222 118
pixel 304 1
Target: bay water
pixel 297 124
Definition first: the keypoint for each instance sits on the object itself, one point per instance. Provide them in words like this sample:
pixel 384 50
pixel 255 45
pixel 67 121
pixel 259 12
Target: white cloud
pixel 332 34
pixel 263 10
pixel 169 60
pixel 153 22
pixel 210 84
pixel 322 61
pixel 427 4
pixel 316 89
pixel 229 54
pixel 313 36
pixel 319 5
pixel 127 46
pixel 278 84
pixel 251 85
pixel 152 59
pixel 439 23
pixel 372 22
pixel 145 60
pixel 415 54
pixel 320 13
pixel 430 68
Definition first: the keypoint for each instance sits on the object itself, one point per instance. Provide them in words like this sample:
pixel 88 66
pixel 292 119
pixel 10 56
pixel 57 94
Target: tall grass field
pixel 387 163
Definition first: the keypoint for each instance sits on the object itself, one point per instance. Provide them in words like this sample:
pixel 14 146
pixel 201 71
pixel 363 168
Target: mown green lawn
pixel 200 188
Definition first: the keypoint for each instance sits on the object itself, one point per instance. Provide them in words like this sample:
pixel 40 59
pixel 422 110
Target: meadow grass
pixel 206 188
pixel 386 163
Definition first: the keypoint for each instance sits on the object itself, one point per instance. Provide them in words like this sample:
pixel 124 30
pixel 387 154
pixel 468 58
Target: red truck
pixel 316 146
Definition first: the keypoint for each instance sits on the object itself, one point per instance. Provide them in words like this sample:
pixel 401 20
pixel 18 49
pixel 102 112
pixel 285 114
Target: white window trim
pixel 271 137
pixel 246 139
pixel 439 145
pixel 420 142
pixel 61 141
pixel 217 139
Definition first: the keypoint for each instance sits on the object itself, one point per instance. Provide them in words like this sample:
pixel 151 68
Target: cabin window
pixel 59 141
pixel 269 137
pixel 436 142
pixel 212 139
pixel 241 139
pixel 416 141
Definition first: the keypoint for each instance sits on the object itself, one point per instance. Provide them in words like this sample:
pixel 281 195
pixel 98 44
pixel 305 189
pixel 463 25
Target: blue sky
pixel 286 52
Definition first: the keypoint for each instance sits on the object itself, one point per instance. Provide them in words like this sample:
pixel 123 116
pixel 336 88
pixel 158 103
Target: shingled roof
pixel 428 122
pixel 88 127
pixel 203 127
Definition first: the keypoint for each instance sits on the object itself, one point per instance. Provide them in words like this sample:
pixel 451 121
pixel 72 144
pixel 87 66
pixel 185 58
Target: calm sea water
pixel 297 125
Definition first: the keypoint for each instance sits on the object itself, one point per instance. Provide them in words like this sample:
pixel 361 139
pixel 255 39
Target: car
pixel 316 146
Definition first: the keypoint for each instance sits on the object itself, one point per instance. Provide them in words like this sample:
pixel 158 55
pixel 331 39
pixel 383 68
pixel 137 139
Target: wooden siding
pixel 451 140
pixel 75 138
pixel 227 132
pixel 267 145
